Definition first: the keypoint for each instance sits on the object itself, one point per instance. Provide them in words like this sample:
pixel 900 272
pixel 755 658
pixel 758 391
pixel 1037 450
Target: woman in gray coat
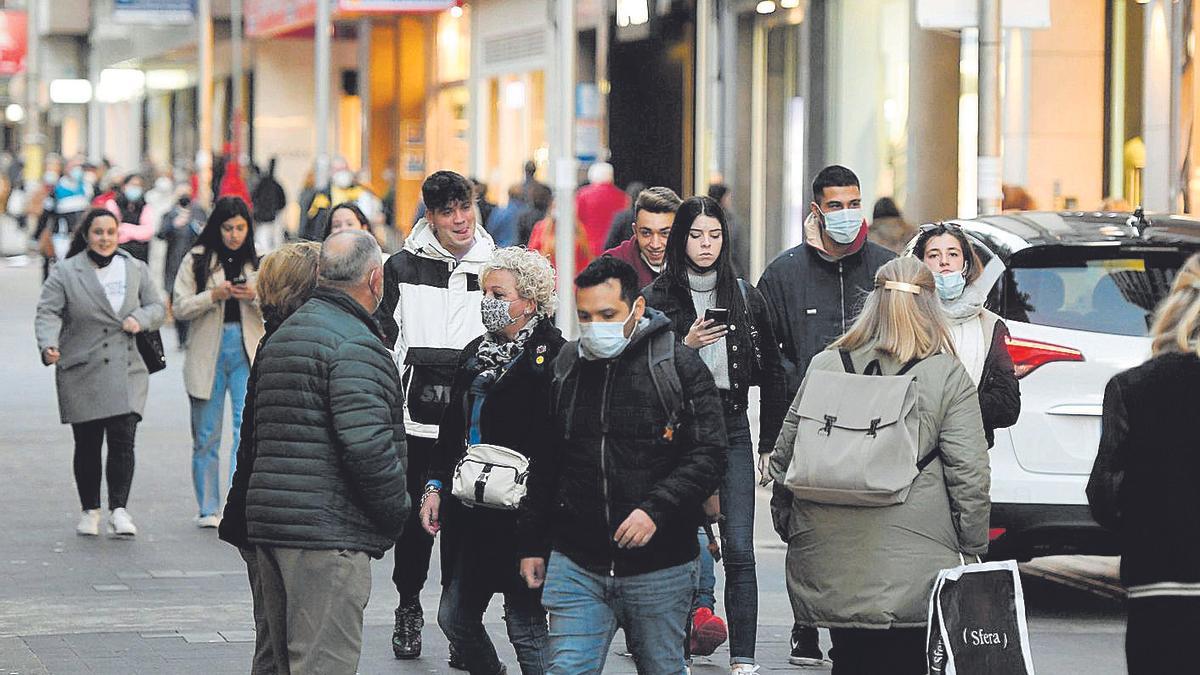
pixel 865 572
pixel 91 307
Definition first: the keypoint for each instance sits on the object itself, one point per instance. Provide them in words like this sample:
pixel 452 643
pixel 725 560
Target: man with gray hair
pixel 327 491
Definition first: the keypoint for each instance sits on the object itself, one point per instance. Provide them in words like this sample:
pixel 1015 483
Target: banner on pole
pixel 13 45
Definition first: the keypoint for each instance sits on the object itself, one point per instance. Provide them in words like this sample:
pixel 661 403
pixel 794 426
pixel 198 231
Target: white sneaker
pixel 120 524
pixel 89 523
pixel 743 668
pixel 208 521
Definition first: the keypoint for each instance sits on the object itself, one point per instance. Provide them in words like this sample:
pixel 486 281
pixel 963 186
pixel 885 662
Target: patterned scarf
pixel 493 356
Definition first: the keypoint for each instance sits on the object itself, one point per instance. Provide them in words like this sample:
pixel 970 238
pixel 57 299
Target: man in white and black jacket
pixel 429 312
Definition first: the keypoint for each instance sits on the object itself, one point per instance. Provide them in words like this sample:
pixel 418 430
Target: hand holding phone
pixel 719 315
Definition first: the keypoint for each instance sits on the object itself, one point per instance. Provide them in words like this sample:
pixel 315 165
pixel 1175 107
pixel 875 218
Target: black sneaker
pixel 806 651
pixel 406 636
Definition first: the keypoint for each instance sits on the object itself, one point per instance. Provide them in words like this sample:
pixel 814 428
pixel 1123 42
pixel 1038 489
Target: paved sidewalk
pixel 175 600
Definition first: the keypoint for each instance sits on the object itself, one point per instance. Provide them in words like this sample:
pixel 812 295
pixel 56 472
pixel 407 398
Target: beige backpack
pixel 857 438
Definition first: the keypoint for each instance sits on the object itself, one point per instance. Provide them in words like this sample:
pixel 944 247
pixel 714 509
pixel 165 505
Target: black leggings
pixel 89 436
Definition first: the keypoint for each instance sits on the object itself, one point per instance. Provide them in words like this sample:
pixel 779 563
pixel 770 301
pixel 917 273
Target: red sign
pixel 13 34
pixel 267 18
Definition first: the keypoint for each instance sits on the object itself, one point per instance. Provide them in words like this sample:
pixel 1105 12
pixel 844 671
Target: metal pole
pixel 602 81
pixel 34 149
pixel 563 152
pixel 239 103
pixel 364 96
pixel 323 46
pixel 702 88
pixel 990 167
pixel 204 152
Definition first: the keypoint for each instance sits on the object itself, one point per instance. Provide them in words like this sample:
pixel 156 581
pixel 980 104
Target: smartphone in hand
pixel 717 314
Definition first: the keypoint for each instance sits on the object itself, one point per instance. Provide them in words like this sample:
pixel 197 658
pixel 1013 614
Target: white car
pixel 1080 290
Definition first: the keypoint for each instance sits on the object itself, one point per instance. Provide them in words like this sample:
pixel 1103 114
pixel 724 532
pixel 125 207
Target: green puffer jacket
pixel 329 434
pixel 874 567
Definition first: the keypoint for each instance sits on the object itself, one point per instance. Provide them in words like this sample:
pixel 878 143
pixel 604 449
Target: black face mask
pixel 101 261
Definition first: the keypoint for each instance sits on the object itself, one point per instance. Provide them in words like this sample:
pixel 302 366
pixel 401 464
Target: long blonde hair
pixel 1176 325
pixel 900 323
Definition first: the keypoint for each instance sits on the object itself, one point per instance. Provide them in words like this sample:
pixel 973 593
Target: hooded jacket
pixel 814 296
pixel 429 312
pixel 613 455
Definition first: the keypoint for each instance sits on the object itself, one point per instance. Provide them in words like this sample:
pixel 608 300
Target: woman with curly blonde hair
pixel 1143 484
pixel 500 397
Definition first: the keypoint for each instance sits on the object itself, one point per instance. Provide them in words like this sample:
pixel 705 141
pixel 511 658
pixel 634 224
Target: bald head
pixel 350 262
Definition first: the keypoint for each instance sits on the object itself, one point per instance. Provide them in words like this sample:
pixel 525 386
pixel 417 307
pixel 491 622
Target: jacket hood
pixel 422 241
pixel 653 322
pixel 812 237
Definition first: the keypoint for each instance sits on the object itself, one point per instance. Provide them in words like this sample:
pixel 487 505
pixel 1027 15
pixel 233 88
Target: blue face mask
pixel 843 226
pixel 950 285
pixel 77 174
pixel 603 339
pixel 133 193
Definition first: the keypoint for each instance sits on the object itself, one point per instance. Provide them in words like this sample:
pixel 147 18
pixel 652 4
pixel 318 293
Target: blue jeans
pixel 706 593
pixel 460 616
pixel 233 371
pixel 737 541
pixel 586 609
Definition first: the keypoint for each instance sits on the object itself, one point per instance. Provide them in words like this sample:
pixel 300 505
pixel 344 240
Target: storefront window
pixel 449 147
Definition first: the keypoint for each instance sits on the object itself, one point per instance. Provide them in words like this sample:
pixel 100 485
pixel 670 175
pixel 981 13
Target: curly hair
pixel 533 272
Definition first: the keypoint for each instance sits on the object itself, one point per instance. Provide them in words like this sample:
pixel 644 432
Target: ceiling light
pixel 765 7
pixel 70 91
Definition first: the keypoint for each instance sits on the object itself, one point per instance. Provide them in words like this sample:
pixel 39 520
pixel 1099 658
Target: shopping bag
pixel 977 622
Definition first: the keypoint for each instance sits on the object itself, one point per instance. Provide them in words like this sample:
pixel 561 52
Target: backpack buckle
pixel 874 430
pixel 829 420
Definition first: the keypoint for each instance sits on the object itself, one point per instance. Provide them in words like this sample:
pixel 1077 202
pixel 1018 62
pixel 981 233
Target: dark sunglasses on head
pixel 930 227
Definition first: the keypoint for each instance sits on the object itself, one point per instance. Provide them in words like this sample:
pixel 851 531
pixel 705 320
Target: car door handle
pixel 1077 410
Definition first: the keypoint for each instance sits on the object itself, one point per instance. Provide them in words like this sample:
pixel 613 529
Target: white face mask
pixel 343 179
pixel 603 339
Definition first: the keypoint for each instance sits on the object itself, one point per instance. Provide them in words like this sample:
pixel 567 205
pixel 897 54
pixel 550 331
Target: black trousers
pixel 861 651
pixel 89 436
pixel 415 546
pixel 1161 634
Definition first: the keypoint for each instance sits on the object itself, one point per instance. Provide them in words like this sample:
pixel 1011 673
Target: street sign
pixel 157 12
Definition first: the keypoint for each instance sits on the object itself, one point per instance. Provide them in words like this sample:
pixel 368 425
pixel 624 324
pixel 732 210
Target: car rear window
pixel 1101 290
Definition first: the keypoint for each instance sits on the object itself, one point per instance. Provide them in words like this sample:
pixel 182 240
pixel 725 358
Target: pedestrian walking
pixel 286 279
pixel 814 291
pixel 596 203
pixel 621 226
pixel 502 223
pixel 740 351
pixel 543 240
pixel 889 229
pixel 180 227
pixel 326 489
pixel 979 336
pixel 1143 484
pixel 347 216
pixel 215 292
pixel 91 308
pixel 429 313
pixel 866 572
pixel 653 214
pixel 500 397
pixel 138 224
pixel 640 444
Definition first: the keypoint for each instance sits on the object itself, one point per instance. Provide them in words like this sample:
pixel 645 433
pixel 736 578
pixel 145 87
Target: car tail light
pixel 1028 355
pixel 995 533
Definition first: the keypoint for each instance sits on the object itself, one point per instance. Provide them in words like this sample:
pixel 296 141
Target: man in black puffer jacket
pixel 327 491
pixel 616 508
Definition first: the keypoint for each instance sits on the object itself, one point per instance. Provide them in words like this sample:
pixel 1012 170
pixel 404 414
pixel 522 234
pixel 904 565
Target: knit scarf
pixel 968 305
pixel 493 356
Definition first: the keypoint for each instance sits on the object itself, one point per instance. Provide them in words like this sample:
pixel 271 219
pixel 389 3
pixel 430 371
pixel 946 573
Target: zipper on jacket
pixel 842 294
pixel 612 568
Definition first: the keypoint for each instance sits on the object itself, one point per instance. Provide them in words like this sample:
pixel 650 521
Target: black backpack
pixel 269 197
pixel 660 352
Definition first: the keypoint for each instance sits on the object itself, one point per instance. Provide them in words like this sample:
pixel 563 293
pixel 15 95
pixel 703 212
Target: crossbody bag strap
pixel 846 362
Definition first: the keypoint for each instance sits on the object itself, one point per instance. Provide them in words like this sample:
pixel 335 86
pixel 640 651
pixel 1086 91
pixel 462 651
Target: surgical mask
pixel 495 314
pixel 77 174
pixel 133 193
pixel 950 285
pixel 49 177
pixel 603 339
pixel 843 226
pixel 343 179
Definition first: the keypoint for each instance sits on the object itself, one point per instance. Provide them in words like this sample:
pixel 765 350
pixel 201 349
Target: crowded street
pixel 175 599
